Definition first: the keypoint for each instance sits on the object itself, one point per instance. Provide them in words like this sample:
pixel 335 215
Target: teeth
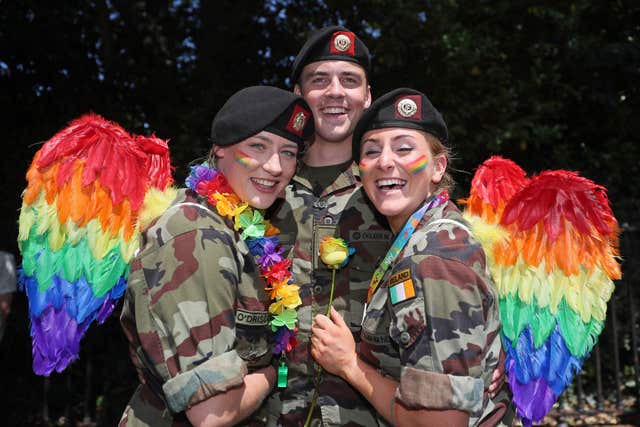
pixel 334 110
pixel 389 182
pixel 264 182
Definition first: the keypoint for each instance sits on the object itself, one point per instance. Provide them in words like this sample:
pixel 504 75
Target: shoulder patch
pixel 401 287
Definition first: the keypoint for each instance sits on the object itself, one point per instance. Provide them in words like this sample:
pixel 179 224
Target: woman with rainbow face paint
pixel 430 331
pixel 209 287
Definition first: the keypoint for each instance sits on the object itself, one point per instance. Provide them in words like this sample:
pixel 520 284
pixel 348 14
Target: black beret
pixel 400 108
pixel 331 43
pixel 257 108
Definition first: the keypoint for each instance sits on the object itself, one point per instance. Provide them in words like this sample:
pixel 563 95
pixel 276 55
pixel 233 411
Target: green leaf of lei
pixel 252 225
pixel 287 318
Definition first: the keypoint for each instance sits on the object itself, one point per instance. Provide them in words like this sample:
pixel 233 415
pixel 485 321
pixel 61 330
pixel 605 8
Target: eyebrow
pixel 395 138
pixel 315 74
pixel 267 139
pixel 320 73
pixel 402 136
pixel 370 139
pixel 262 137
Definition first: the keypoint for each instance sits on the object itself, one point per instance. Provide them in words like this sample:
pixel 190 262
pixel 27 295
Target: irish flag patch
pixel 401 287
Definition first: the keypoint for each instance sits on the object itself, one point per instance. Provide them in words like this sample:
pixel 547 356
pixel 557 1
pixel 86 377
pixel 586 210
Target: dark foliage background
pixel 548 84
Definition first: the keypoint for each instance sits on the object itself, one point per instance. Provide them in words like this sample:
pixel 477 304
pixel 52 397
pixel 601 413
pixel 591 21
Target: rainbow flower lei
pixel 262 239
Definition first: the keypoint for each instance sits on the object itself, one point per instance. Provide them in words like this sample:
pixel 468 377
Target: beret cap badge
pixel 406 107
pixel 342 42
pixel 298 120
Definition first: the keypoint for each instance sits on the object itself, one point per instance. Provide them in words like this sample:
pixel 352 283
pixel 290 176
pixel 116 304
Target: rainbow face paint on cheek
pixel 364 166
pixel 418 165
pixel 245 160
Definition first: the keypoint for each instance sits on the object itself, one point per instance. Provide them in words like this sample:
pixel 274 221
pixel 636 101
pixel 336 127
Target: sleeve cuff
pixel 212 377
pixel 424 389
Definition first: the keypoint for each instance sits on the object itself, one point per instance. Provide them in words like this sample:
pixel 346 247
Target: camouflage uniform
pixel 195 313
pixel 340 210
pixel 433 322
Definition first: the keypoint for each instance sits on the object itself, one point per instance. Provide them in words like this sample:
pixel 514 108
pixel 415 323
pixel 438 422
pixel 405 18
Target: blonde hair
pixel 439 149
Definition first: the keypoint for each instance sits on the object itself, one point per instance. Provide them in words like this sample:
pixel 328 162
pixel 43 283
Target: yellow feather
pixel 26 221
pixel 74 233
pixel 47 215
pixel 601 287
pixel 511 281
pixel 128 249
pixel 541 288
pixel 99 241
pixel 488 234
pixel 525 287
pixel 155 203
pixel 56 235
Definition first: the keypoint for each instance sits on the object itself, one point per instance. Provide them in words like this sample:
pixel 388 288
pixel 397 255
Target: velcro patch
pixel 252 318
pixel 401 287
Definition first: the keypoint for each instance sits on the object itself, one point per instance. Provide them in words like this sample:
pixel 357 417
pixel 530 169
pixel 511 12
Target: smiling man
pixel 331 73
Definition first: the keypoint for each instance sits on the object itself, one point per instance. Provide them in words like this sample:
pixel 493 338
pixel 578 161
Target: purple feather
pixel 105 310
pixel 538 375
pixel 533 400
pixel 60 318
pixel 56 340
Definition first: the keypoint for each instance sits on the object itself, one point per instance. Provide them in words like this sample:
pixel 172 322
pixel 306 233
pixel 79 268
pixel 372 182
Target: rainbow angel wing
pixel 80 226
pixel 493 185
pixel 554 272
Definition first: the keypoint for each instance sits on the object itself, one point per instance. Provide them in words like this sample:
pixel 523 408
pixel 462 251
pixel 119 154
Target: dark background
pixel 548 84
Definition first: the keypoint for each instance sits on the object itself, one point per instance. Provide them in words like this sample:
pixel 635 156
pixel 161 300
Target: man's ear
pixel 296 89
pixel 367 104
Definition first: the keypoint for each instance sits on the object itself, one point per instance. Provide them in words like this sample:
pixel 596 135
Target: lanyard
pixel 401 240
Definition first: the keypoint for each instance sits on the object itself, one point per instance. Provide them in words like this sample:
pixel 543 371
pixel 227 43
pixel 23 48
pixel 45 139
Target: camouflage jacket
pixel 433 322
pixel 341 210
pixel 195 313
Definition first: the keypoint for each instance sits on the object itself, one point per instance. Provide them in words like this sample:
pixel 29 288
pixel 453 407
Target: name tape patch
pixel 370 236
pixel 375 339
pixel 252 318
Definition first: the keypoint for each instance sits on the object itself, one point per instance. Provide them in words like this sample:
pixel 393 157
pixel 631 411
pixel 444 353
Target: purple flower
pixel 256 246
pixel 271 254
pixel 284 340
pixel 198 174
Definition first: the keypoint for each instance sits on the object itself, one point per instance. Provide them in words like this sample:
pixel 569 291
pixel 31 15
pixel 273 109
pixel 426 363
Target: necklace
pixel 262 239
